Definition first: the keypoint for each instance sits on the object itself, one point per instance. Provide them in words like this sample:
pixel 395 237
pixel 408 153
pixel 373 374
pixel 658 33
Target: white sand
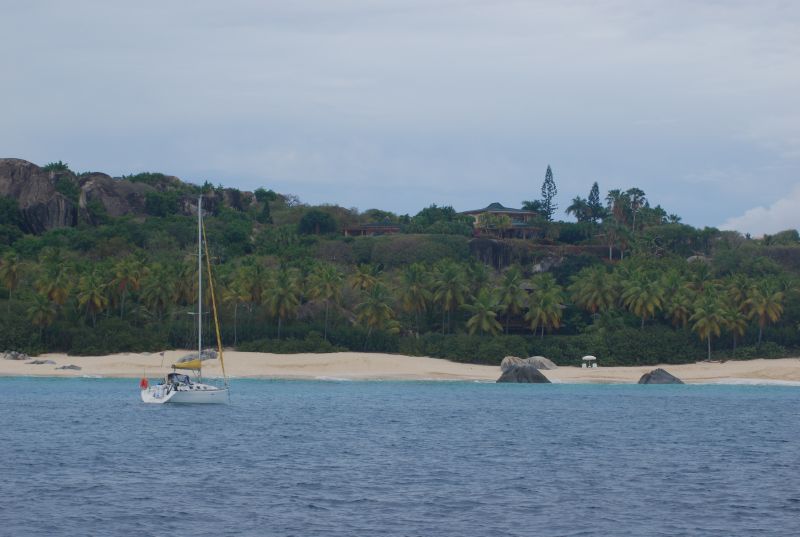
pixel 374 366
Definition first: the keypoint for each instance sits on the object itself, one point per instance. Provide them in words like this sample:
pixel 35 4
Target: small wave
pixel 333 379
pixel 752 382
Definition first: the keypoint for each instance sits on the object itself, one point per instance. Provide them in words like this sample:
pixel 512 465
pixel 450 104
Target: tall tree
pixel 642 295
pixel 579 208
pixel 10 274
pixel 375 310
pixel 484 314
pixel 450 289
pixel 91 294
pixel 512 295
pixel 637 200
pixel 594 289
pixel 42 313
pixel 596 210
pixel 325 283
pixel 708 318
pixel 764 303
pixel 549 192
pixel 414 290
pixel 284 295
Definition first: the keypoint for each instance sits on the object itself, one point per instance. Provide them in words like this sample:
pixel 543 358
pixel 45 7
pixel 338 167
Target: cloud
pixel 782 214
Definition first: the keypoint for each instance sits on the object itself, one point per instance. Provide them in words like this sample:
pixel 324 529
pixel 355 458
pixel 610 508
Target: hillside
pixel 92 264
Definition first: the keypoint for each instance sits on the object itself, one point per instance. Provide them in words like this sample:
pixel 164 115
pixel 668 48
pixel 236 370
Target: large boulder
pixel 41 205
pixel 14 355
pixel 540 362
pixel 524 373
pixel 41 362
pixel 659 376
pixel 509 362
pixel 70 366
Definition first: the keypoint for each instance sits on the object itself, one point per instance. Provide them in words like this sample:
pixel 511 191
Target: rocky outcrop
pixel 42 207
pixel 539 362
pixel 56 199
pixel 510 362
pixel 659 376
pixel 118 197
pixel 73 367
pixel 524 373
pixel 41 362
pixel 14 355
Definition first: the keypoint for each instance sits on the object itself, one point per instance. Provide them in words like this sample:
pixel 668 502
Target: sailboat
pixel 179 387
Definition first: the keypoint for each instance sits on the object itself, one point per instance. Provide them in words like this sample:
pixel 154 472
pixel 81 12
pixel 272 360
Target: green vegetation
pixel 627 282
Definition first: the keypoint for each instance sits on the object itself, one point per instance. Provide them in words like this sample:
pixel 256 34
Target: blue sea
pixel 86 457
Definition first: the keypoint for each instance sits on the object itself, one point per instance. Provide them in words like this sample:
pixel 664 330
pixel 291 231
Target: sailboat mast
pixel 200 278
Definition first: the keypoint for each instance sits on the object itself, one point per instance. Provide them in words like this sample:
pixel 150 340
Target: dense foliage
pixel 626 282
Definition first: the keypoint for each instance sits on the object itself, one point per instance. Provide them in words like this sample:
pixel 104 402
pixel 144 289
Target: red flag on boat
pixel 143 383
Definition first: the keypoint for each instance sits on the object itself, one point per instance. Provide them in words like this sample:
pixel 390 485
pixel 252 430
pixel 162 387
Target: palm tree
pixel 10 274
pixel 484 314
pixel 375 311
pixel 233 293
pixel 642 295
pixel 284 295
pixel 618 204
pixel 366 276
pixel 545 306
pixel 637 200
pixel 579 209
pixel 42 312
pixel 738 288
pixel 325 283
pixel 414 290
pixel 594 289
pixel 128 273
pixel 450 289
pixel 512 295
pixel 708 318
pixel 764 302
pixel 91 294
pixel 159 290
pixel 55 282
pixel 736 323
pixel 678 306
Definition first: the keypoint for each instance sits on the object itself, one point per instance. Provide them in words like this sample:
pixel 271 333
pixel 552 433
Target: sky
pixel 397 104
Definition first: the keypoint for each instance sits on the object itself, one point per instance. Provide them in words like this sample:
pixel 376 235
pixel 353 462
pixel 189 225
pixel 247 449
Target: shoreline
pixel 347 366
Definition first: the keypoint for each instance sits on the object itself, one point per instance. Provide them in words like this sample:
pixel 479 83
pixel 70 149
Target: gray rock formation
pixel 75 367
pixel 49 200
pixel 509 362
pixel 659 376
pixel 14 355
pixel 41 362
pixel 525 373
pixel 41 206
pixel 540 362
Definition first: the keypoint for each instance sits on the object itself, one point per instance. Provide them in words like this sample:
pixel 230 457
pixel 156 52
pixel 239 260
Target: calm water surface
pixel 85 457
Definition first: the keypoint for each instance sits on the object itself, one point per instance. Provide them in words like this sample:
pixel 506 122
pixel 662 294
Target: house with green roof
pixel 496 220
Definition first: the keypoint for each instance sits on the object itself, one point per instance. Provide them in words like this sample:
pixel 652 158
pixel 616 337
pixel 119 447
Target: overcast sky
pixel 400 104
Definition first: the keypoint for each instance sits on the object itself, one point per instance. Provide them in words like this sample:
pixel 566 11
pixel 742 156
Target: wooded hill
pixel 93 264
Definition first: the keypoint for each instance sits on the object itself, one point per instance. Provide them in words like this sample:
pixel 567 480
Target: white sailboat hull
pixel 201 394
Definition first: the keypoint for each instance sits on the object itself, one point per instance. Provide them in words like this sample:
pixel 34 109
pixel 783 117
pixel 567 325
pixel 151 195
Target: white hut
pixel 589 361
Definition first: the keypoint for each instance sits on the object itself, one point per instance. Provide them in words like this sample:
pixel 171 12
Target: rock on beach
pixel 659 376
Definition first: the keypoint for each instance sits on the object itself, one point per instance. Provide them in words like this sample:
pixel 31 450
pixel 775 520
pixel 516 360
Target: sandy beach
pixel 374 366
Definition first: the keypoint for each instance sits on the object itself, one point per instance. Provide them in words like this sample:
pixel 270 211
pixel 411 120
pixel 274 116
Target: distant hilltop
pixel 54 196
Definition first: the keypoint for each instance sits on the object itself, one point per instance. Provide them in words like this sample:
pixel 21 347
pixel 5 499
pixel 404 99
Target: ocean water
pixel 86 457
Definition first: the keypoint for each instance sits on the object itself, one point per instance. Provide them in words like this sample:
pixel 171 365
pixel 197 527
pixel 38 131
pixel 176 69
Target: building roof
pixel 499 208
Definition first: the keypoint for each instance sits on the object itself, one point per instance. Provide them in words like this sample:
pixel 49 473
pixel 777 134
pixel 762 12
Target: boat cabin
pixel 178 378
